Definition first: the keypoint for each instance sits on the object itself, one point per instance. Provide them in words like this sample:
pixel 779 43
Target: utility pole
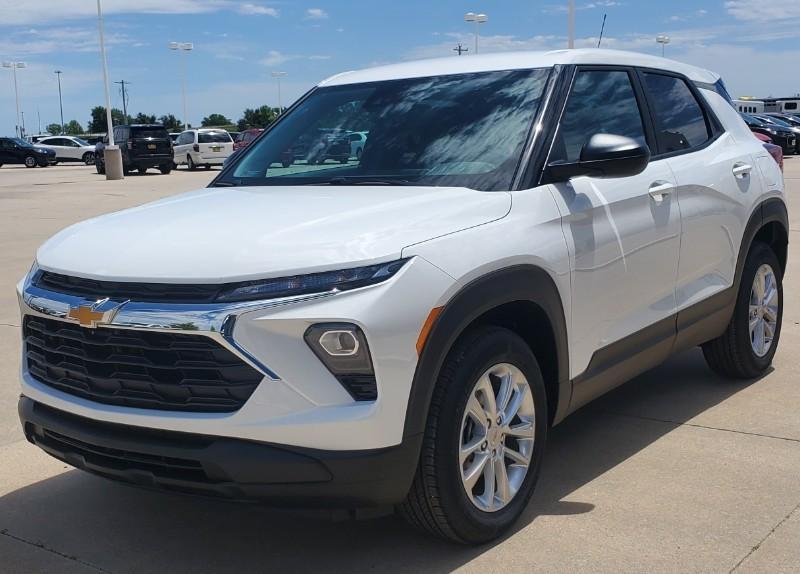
pixel 460 49
pixel 22 135
pixel 124 100
pixel 60 105
pixel 571 24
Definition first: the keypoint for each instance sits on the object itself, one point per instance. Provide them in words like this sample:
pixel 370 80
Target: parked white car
pixel 204 146
pixel 69 148
pixel 531 230
pixel 357 142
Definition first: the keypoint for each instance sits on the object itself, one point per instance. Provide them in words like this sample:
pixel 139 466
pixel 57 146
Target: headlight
pixel 770 130
pixel 343 280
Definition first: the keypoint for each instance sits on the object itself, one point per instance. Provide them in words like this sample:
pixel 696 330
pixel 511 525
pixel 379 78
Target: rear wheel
pixel 484 439
pixel 207 166
pixel 88 158
pixel 142 170
pixel 30 161
pixel 165 168
pixel 746 348
pixel 190 163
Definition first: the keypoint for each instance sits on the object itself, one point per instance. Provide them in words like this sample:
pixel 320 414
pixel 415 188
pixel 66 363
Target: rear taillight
pixel 196 147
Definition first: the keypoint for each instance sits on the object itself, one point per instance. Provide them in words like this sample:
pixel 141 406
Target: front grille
pixel 143 369
pixel 121 290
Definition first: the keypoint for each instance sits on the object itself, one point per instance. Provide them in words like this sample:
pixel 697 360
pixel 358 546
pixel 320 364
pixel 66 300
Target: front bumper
pixel 222 467
pixel 299 403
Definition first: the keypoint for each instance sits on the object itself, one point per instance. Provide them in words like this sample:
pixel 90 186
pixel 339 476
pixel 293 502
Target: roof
pixel 516 61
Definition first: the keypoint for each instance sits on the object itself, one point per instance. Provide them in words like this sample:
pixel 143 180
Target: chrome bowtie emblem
pixel 98 313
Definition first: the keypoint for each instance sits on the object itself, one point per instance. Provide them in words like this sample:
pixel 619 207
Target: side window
pixel 601 102
pixel 680 121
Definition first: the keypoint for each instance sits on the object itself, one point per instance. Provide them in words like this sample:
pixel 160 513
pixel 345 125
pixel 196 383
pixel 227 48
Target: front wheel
pixel 484 439
pixel 30 161
pixel 190 163
pixel 746 348
pixel 88 158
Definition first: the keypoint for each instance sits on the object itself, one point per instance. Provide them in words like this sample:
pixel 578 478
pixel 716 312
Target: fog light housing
pixel 343 349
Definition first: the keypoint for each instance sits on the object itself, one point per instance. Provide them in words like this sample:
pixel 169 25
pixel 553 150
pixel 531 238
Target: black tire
pixel 190 163
pixel 286 163
pixel 731 355
pixel 358 154
pixel 30 161
pixel 88 158
pixel 142 170
pixel 438 502
pixel 101 169
pixel 207 166
pixel 165 169
pixel 126 169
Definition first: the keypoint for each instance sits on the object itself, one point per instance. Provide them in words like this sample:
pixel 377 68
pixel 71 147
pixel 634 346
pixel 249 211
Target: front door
pixel 624 240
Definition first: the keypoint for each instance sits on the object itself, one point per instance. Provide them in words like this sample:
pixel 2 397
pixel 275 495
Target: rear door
pixel 146 141
pixel 717 182
pixel 215 144
pixel 58 145
pixel 623 235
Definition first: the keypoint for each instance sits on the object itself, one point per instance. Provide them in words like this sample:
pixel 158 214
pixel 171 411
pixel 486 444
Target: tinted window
pixel 790 106
pixel 601 102
pixel 680 121
pixel 141 133
pixel 248 137
pixel 185 138
pixel 213 137
pixel 464 130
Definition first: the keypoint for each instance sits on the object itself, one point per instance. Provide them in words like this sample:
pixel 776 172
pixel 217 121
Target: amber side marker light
pixel 426 328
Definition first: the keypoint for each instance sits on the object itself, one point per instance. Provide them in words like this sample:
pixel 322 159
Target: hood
pixel 227 234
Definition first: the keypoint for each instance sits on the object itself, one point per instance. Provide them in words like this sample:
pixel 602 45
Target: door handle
pixel 741 169
pixel 659 189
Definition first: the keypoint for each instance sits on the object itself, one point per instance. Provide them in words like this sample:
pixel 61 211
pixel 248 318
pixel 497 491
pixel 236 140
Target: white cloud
pixel 37 41
pixel 43 11
pixel 276 58
pixel 761 11
pixel 316 14
pixel 258 10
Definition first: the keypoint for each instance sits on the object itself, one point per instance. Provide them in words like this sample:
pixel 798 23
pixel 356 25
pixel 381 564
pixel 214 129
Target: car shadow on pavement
pixel 123 529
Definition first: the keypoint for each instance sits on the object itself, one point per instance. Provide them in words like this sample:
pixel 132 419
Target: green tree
pixel 73 128
pixel 97 123
pixel 144 119
pixel 215 120
pixel 54 129
pixel 170 122
pixel 257 118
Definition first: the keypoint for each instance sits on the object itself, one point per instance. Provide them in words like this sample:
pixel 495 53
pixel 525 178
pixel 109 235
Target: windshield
pixel 21 142
pixel 81 142
pixel 776 121
pixel 460 130
pixel 213 137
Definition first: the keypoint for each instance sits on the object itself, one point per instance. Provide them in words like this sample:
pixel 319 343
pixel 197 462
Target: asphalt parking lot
pixel 676 471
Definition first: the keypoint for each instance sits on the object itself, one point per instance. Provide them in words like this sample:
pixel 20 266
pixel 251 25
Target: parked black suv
pixel 143 146
pixel 17 150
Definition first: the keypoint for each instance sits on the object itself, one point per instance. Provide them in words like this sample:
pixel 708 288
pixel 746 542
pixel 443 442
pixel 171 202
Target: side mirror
pixel 603 156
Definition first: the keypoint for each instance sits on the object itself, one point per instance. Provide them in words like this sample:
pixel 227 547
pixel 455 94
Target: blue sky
pixel 753 43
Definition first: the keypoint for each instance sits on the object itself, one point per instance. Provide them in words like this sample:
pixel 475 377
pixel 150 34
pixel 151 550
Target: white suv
pixel 69 148
pixel 205 146
pixel 521 233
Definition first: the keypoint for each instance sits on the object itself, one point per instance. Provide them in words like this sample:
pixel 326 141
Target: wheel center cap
pixel 495 434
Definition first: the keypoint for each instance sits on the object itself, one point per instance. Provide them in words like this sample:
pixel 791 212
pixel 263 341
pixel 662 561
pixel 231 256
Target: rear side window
pixel 680 121
pixel 213 137
pixel 601 102
pixel 141 133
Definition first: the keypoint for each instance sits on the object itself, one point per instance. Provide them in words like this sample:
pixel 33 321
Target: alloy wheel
pixel 763 318
pixel 497 436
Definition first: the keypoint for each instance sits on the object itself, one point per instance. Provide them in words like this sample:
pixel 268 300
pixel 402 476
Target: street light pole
pixel 60 105
pixel 112 156
pixel 13 66
pixel 476 19
pixel 278 76
pixel 571 24
pixel 183 47
pixel 663 40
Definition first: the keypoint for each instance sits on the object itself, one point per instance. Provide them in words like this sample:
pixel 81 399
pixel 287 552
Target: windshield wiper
pixel 355 181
